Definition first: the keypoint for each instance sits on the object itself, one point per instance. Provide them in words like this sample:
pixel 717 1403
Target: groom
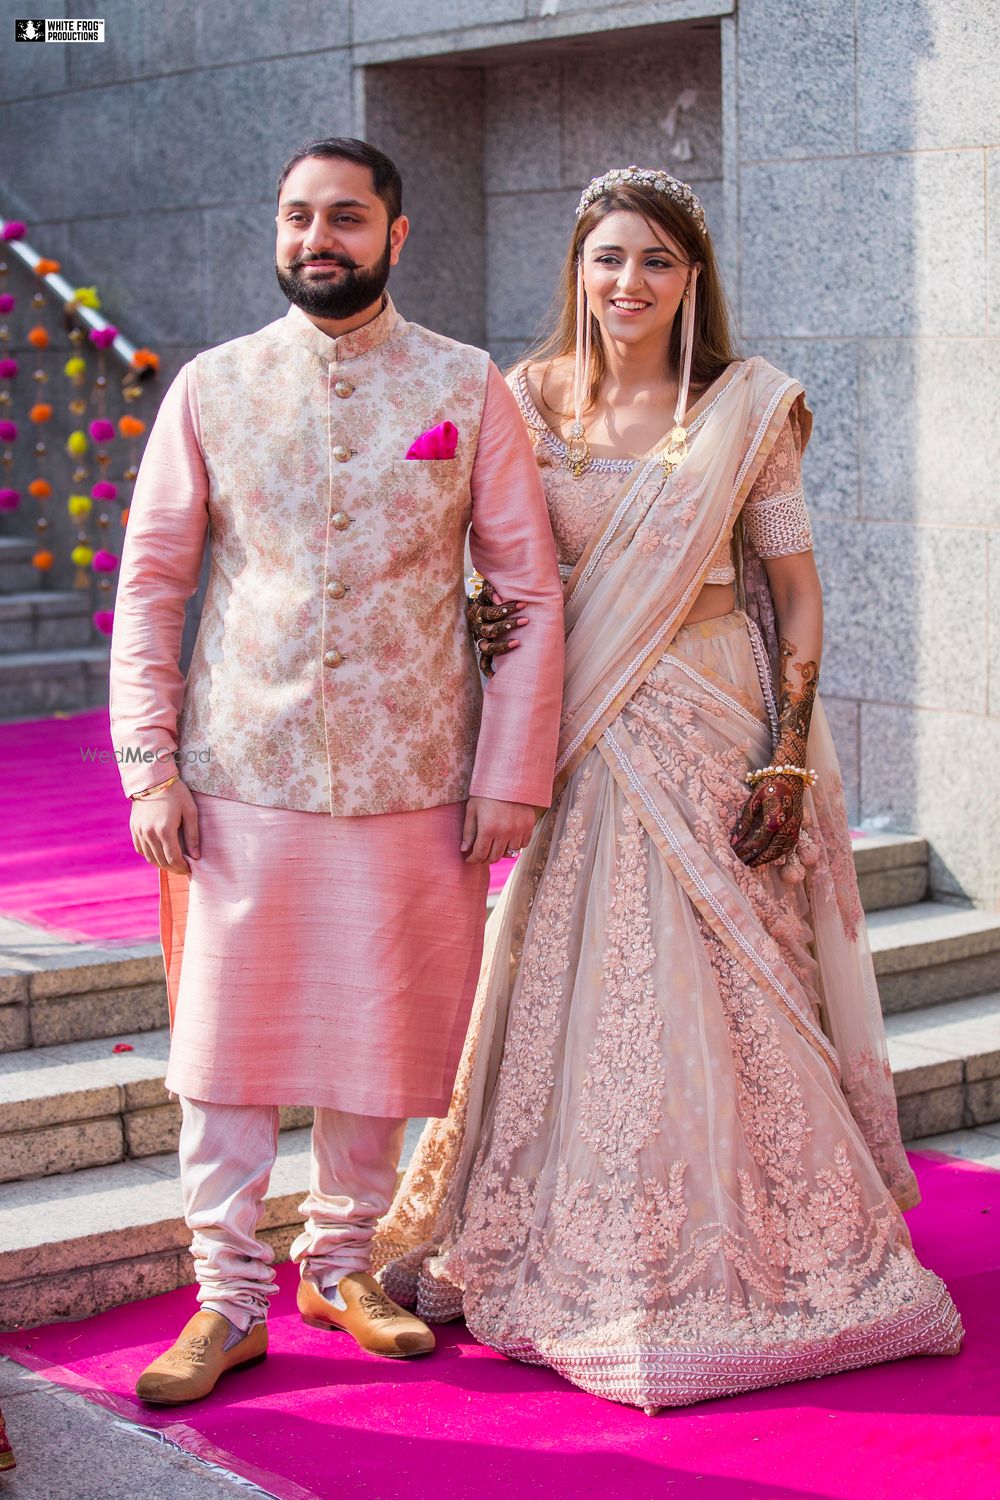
pixel 324 793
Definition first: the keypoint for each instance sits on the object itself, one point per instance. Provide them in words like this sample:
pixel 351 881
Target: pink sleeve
pixel 511 544
pixel 161 562
pixel 775 516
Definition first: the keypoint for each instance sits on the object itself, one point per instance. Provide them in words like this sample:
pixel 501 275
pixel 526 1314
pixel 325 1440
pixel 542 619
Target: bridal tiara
pixel 661 182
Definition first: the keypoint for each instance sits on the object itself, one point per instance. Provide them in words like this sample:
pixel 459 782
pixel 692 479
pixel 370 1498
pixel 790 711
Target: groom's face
pixel 335 244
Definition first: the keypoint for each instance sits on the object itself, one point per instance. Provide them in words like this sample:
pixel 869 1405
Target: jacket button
pixel 336 589
pixel 340 520
pixel 333 659
pixel 343 389
pixel 341 454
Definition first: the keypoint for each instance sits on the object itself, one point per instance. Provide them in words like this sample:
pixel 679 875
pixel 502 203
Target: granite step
pixel 945 1063
pixel 43 682
pixel 17 572
pixel 891 869
pixel 930 952
pixel 53 990
pixel 64 1108
pixel 44 620
pixel 84 1241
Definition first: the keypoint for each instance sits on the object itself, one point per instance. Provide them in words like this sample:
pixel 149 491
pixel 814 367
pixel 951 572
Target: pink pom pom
pixel 101 430
pixel 7 302
pixel 8 369
pixel 15 230
pixel 104 619
pixel 103 338
pixel 104 562
pixel 10 499
pixel 8 432
pixel 104 490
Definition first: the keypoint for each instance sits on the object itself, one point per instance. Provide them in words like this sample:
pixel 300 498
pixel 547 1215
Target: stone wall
pixel 864 135
pixel 845 153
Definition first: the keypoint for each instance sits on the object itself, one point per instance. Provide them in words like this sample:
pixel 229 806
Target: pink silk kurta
pixel 323 961
pixel 329 957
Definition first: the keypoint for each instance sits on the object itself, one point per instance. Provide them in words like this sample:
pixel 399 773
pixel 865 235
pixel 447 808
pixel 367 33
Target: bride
pixel 672 1167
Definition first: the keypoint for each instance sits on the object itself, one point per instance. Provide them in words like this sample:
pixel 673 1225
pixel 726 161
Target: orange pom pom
pixel 130 427
pixel 125 516
pixel 145 359
pixel 40 488
pixel 38 338
pixel 43 561
pixel 47 267
pixel 40 412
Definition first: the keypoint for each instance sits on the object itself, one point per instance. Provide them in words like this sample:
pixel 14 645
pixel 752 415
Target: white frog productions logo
pixel 59 30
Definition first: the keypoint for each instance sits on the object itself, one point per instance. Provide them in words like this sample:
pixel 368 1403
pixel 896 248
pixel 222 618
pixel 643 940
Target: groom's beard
pixel 357 288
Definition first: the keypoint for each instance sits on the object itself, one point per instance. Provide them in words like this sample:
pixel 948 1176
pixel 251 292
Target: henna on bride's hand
pixel 492 624
pixel 769 826
pixel 795 706
pixel 770 823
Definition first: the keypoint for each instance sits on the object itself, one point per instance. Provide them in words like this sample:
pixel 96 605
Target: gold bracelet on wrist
pixel 809 777
pixel 161 786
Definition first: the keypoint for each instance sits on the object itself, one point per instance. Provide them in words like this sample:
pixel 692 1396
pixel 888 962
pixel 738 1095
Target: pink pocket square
pixel 437 442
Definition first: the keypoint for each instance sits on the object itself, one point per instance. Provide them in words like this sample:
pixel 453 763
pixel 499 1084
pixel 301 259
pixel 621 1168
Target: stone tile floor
pixel 69 1449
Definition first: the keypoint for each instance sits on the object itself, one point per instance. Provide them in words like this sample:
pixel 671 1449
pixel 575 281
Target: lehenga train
pixel 672 1168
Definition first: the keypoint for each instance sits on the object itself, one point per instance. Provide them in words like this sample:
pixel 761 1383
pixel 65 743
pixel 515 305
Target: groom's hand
pixel 493 829
pixel 157 823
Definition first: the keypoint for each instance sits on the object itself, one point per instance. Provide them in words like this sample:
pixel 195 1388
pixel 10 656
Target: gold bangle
pixel 161 786
pixel 809 777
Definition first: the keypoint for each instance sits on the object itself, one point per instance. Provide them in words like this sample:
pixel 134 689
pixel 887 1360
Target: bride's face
pixel 635 277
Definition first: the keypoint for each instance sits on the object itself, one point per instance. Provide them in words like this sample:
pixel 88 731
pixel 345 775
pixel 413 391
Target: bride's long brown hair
pixel 713 345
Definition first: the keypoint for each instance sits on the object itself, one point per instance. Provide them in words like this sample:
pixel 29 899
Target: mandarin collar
pixel 351 345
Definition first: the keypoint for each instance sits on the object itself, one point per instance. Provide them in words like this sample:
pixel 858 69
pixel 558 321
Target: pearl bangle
pixel 809 777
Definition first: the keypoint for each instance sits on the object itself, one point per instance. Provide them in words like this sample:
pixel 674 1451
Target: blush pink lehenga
pixel 672 1167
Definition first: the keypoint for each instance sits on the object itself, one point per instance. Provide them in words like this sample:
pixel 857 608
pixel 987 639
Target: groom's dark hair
pixel 385 174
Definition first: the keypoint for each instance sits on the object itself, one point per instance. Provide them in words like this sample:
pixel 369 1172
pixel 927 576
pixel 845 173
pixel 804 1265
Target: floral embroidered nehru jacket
pixel 333 670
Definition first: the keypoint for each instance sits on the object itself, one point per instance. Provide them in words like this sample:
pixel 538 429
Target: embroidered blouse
pixel 774 514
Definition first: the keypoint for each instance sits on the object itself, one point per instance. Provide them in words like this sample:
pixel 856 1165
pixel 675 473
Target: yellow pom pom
pixel 79 505
pixel 82 556
pixel 76 444
pixel 86 296
pixel 75 367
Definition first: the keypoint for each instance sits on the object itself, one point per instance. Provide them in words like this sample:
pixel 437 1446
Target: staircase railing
pixel 60 289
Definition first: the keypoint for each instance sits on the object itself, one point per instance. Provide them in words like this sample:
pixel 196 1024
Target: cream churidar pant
pixel 227 1152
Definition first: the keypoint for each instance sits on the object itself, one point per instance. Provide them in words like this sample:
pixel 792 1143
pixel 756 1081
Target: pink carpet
pixel 320 1419
pixel 67 862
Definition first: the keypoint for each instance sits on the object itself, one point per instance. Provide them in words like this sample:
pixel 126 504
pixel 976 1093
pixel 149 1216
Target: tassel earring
pixel 577 449
pixel 676 450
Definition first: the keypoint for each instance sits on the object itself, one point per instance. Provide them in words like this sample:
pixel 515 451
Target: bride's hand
pixel 491 623
pixel 770 822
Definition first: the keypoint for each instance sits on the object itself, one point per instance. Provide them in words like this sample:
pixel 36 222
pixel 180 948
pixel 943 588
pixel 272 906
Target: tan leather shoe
pixel 371 1318
pixel 191 1367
